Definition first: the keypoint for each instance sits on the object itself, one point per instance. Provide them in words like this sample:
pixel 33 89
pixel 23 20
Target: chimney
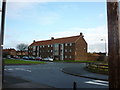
pixel 81 34
pixel 52 38
pixel 33 41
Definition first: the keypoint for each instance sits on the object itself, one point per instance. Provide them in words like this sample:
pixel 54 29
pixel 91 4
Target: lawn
pixel 14 61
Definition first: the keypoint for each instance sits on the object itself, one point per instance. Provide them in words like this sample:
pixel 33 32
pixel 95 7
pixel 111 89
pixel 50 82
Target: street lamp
pixel 105 45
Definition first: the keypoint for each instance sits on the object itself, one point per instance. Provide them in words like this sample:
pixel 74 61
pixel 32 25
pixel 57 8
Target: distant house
pixel 11 52
pixel 67 48
pixel 23 53
pixel 97 56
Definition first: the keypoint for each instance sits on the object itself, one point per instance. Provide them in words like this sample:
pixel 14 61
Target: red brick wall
pixel 80 49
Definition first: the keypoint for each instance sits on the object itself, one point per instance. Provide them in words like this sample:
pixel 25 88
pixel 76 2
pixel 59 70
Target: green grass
pixel 13 61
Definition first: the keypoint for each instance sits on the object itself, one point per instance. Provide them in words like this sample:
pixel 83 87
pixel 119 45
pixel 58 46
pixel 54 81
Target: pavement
pixel 15 83
pixel 77 71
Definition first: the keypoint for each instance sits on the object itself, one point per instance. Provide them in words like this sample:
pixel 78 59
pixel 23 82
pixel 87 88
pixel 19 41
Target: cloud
pixel 93 36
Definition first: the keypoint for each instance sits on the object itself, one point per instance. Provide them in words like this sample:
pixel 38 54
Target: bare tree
pixel 22 47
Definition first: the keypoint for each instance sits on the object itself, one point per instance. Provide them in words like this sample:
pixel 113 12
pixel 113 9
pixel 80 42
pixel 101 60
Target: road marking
pixel 98 82
pixel 10 69
pixel 18 69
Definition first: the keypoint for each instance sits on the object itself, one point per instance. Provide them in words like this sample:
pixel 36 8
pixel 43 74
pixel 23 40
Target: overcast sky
pixel 28 21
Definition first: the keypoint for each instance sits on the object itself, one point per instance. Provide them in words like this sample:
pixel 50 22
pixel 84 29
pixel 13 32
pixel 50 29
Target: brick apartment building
pixel 24 53
pixel 11 52
pixel 67 48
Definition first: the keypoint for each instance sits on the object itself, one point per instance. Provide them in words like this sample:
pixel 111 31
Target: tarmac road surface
pixel 51 75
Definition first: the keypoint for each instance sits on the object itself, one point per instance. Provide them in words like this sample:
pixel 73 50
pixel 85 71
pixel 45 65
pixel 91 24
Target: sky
pixel 28 21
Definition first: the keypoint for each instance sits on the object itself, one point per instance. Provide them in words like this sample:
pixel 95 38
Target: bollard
pixel 74 85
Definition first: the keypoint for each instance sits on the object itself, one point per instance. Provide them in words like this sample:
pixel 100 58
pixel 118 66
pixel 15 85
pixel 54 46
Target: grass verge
pixel 14 61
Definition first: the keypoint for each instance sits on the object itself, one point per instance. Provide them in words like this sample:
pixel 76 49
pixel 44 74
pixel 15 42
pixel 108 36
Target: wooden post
pixel 113 43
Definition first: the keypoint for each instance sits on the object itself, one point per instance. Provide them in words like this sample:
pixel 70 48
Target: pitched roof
pixel 8 50
pixel 58 40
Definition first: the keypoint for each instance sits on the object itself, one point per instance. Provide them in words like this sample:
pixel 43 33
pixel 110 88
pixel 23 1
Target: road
pixel 50 74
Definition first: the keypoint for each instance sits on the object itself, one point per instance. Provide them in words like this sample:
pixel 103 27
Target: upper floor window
pixel 37 48
pixel 51 45
pixel 56 45
pixel 70 44
pixel 48 45
pixel 66 44
pixel 34 48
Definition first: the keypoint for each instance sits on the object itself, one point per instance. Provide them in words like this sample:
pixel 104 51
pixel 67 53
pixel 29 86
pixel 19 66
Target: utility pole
pixel 1 41
pixel 113 43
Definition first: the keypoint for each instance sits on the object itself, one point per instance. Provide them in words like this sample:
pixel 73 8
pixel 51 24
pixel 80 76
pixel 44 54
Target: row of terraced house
pixel 66 48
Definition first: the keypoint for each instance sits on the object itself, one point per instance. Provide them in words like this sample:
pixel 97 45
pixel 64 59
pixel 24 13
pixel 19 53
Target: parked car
pixel 16 57
pixel 25 57
pixel 38 58
pixel 48 59
pixel 31 58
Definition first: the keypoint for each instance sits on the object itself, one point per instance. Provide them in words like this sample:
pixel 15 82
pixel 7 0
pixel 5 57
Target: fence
pixel 97 66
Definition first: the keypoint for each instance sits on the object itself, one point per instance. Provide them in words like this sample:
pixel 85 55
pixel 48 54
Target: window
pixel 34 48
pixel 48 45
pixel 66 44
pixel 37 53
pixel 70 44
pixel 56 45
pixel 33 53
pixel 70 50
pixel 65 50
pixel 65 56
pixel 51 50
pixel 37 48
pixel 70 57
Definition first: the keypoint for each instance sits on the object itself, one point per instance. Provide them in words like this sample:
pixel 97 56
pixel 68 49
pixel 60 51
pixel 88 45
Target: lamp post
pixel 105 45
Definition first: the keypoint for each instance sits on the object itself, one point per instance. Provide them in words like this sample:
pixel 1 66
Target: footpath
pixel 81 72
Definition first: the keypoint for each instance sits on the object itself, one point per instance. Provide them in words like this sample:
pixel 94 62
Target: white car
pixel 48 59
